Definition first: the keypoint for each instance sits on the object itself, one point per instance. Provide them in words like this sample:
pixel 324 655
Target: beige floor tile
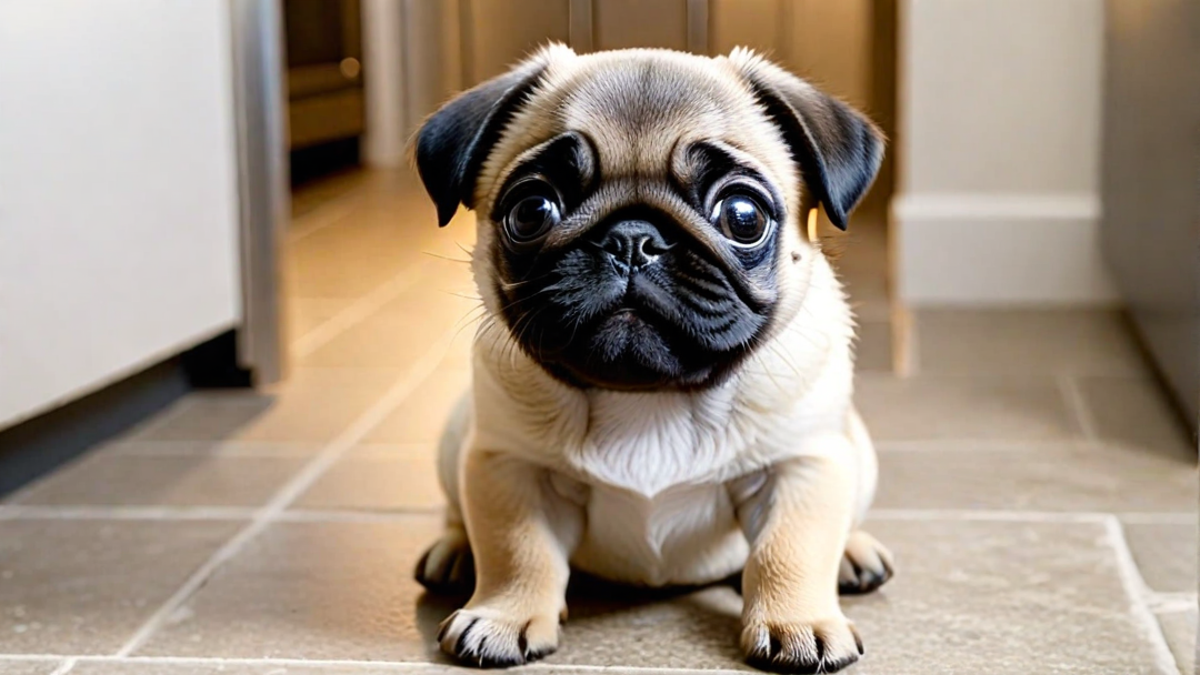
pixel 397 483
pixel 85 587
pixel 132 448
pixel 215 667
pixel 1180 630
pixel 1135 411
pixel 313 407
pixel 28 667
pixel 874 349
pixel 1040 477
pixel 422 416
pixel 369 247
pixel 319 193
pixel 1025 342
pixel 313 591
pixel 458 355
pixel 305 314
pixel 375 450
pixel 968 598
pixel 1166 554
pixel 400 334
pixel 921 408
pixel 147 666
pixel 359 253
pixel 999 598
pixel 120 480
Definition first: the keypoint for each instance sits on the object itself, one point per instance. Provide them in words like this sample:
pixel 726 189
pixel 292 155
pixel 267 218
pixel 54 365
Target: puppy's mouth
pixel 630 348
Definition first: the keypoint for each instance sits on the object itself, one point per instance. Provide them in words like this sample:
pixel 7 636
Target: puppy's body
pixel 659 476
pixel 662 383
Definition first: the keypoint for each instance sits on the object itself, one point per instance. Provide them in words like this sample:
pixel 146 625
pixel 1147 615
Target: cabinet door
pixel 498 33
pixel 619 24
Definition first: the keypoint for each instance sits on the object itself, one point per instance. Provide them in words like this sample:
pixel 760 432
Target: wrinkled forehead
pixel 640 112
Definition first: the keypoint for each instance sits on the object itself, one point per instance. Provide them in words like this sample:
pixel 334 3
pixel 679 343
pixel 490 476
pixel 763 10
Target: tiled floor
pixel 1039 497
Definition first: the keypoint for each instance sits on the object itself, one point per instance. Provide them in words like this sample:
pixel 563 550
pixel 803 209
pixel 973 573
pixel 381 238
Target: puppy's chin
pixel 629 350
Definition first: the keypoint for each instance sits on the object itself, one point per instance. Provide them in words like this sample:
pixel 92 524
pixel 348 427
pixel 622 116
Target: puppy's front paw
pixel 493 638
pixel 822 646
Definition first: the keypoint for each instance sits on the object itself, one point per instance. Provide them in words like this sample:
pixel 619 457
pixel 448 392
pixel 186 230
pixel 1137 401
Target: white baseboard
pixel 999 250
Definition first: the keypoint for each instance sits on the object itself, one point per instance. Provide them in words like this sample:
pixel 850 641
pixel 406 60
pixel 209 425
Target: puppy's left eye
pixel 741 219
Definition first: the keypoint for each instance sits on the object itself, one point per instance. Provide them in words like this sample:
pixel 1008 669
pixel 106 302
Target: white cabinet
pixel 118 191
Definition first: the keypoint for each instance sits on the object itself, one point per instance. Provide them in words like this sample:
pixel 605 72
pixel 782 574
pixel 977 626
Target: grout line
pixel 359 310
pixel 998 515
pixel 318 515
pixel 64 667
pixel 1137 592
pixel 33 512
pixel 401 666
pixel 358 516
pixel 1171 602
pixel 1073 397
pixel 304 479
pixel 329 213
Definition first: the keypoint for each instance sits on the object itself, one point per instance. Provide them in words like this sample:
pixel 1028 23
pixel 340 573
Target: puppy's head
pixel 640 211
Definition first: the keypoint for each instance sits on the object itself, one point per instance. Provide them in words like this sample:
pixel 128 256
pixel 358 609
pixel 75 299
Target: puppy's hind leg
pixel 448 567
pixel 866 565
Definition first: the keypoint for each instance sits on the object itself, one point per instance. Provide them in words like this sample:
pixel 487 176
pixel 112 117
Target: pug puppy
pixel 662 386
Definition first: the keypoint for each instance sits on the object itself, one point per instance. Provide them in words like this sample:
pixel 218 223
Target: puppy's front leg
pixel 522 536
pixel 797 523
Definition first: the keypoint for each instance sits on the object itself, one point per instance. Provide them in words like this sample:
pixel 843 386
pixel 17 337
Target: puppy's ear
pixel 455 141
pixel 837 148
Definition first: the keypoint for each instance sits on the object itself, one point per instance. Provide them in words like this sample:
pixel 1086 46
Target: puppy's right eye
pixel 531 218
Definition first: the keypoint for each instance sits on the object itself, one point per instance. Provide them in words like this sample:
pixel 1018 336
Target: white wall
pixel 999 139
pixel 118 204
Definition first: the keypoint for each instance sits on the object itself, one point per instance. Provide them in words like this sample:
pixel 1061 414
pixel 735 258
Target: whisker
pixel 439 256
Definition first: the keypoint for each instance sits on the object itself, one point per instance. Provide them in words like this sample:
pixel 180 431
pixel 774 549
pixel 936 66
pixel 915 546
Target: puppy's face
pixel 640 211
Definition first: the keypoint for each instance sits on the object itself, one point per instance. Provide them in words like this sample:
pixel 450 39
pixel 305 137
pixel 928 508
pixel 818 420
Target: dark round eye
pixel 741 219
pixel 531 218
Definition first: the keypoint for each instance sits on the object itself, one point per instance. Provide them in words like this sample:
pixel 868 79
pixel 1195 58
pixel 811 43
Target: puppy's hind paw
pixel 448 567
pixel 824 646
pixel 489 638
pixel 866 565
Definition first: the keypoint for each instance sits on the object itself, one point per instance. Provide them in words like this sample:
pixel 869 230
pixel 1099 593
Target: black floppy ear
pixel 455 141
pixel 837 148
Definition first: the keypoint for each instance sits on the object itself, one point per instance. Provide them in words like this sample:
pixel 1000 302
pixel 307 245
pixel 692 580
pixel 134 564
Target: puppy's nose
pixel 633 245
